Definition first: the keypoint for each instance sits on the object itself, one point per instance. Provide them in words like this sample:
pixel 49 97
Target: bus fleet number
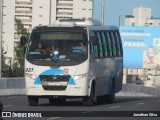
pixel 29 70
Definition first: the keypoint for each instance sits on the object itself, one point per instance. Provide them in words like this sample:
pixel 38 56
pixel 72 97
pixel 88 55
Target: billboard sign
pixel 141 46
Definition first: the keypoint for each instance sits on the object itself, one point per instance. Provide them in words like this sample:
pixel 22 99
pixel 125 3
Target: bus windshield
pixel 57 48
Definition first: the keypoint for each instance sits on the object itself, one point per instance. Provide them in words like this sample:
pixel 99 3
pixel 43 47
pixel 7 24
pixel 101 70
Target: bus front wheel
pixel 89 100
pixel 33 100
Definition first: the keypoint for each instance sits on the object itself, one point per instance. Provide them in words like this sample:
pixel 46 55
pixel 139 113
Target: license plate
pixel 54 83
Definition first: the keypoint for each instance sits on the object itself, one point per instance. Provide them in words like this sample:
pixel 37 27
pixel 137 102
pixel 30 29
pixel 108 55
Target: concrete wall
pixel 132 88
pixel 12 86
pixel 12 83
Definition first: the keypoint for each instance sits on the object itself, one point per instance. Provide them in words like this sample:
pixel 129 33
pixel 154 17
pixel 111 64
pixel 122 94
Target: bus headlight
pixel 76 77
pixel 33 77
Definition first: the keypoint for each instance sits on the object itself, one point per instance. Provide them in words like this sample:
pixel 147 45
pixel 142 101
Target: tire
pixel 33 100
pixel 1 107
pixel 111 98
pixel 89 100
pixel 101 99
pixel 53 101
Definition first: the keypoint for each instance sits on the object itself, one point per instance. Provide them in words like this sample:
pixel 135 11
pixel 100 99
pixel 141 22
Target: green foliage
pixel 18 65
pixel 20 30
pixel 6 68
pixel 15 68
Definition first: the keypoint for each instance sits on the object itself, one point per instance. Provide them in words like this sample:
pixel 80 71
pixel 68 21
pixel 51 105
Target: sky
pixel 116 8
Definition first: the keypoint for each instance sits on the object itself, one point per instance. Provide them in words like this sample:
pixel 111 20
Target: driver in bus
pixel 40 48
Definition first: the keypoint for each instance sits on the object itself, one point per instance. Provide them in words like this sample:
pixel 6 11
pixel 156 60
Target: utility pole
pixel 50 12
pixel 1 35
pixel 119 21
pixel 103 5
pixel 93 9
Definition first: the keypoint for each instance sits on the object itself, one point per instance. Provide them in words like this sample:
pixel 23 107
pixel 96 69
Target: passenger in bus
pixel 40 48
pixel 56 47
pixel 79 47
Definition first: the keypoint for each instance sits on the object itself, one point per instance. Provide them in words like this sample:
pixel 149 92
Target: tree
pixel 18 64
pixel 20 30
pixel 6 68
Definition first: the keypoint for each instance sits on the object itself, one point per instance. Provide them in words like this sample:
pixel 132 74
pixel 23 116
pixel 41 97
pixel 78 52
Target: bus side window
pixel 94 46
pixel 118 43
pixel 95 49
pixel 110 44
pixel 113 44
pixel 104 44
pixel 99 44
pixel 107 44
pixel 92 53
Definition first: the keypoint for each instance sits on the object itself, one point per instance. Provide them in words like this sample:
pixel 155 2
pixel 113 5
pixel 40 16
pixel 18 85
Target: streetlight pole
pixel 103 5
pixel 1 31
pixel 119 21
pixel 50 12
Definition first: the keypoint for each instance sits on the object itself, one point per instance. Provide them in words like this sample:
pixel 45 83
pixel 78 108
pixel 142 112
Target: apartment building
pixel 141 17
pixel 36 13
pixel 47 12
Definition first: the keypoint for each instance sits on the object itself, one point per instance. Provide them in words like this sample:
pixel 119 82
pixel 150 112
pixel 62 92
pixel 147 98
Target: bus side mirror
pixel 23 41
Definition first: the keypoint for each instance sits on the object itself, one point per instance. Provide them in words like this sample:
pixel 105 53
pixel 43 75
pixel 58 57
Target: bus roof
pixel 90 24
pixel 77 22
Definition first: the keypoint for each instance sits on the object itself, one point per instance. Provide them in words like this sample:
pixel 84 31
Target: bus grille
pixel 54 82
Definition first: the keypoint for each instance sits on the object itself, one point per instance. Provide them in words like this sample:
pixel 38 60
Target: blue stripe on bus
pixel 54 71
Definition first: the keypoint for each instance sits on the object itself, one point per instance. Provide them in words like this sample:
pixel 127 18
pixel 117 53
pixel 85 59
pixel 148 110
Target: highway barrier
pixel 16 86
pixel 133 88
pixel 12 86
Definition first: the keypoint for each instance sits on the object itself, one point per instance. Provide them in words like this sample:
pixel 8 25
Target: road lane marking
pixel 87 112
pixel 10 97
pixel 53 118
pixel 7 106
pixel 114 107
pixel 139 103
pixel 158 101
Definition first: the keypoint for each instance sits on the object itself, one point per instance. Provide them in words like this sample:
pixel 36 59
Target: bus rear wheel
pixel 89 100
pixel 101 100
pixel 111 97
pixel 33 100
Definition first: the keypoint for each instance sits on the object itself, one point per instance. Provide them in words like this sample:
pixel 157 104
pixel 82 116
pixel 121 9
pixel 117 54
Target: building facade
pixel 141 17
pixel 36 13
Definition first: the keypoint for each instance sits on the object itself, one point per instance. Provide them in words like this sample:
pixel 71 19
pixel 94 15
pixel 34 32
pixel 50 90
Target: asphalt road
pixel 19 103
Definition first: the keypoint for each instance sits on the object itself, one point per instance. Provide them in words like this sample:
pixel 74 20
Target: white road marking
pixel 114 107
pixel 10 97
pixel 87 112
pixel 7 106
pixel 53 118
pixel 139 103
